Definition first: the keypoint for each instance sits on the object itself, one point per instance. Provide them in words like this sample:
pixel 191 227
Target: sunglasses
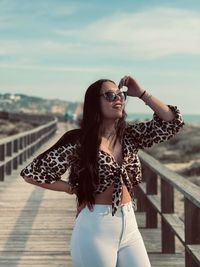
pixel 111 96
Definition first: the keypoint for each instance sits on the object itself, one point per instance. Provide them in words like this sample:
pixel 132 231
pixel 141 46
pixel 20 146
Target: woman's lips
pixel 117 106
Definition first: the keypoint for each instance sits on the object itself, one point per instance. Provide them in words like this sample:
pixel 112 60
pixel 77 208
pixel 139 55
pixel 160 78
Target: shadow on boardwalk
pixel 36 226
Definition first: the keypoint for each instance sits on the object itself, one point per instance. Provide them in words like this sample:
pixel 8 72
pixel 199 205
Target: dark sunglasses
pixel 111 96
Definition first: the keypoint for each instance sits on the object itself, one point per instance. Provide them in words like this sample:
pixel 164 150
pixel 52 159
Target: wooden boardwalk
pixel 36 225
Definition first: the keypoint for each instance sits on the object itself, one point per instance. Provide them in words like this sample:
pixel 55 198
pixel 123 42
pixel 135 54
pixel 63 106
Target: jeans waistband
pixel 106 209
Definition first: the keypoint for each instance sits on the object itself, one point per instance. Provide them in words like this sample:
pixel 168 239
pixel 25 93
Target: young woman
pixel 104 169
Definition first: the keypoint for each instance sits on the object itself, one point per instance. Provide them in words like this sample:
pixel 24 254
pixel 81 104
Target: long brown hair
pixel 90 142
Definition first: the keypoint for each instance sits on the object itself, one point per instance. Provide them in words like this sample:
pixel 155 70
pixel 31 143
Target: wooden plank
pixel 188 189
pixel 23 134
pixel 194 250
pixel 21 151
pixel 192 222
pixel 166 260
pixel 176 225
pixel 141 197
pixel 155 201
pixel 143 187
pixel 151 189
pixel 36 226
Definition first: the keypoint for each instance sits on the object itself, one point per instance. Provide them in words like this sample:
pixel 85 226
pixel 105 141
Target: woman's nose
pixel 118 97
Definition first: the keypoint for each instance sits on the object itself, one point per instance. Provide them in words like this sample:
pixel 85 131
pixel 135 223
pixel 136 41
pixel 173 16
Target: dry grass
pixel 8 128
pixel 182 153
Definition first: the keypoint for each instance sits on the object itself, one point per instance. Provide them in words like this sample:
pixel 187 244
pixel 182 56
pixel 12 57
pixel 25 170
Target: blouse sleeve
pixel 157 130
pixel 49 166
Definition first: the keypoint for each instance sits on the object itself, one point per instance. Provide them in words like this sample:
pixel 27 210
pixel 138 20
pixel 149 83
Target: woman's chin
pixel 114 115
pixel 118 115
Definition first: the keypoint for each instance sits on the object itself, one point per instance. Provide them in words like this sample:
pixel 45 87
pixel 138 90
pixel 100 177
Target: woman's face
pixel 111 109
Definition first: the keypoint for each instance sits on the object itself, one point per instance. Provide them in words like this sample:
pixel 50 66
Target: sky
pixel 57 48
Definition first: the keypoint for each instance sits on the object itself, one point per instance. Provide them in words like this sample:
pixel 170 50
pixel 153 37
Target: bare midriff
pixel 106 196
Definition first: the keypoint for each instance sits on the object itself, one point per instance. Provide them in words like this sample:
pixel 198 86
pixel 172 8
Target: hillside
pixel 34 105
pixel 19 103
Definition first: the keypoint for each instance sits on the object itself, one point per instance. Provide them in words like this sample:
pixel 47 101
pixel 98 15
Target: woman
pixel 104 168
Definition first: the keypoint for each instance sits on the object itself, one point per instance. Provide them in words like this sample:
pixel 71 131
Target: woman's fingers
pixel 124 82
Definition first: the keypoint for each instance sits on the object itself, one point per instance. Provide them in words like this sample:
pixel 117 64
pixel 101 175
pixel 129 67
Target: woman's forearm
pixel 135 90
pixel 60 185
pixel 161 109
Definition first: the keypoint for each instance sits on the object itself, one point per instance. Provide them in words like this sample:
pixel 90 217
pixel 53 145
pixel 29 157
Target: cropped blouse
pixel 136 136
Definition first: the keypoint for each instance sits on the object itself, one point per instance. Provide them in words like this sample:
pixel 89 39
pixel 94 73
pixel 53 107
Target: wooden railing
pixel 37 119
pixel 156 196
pixel 14 150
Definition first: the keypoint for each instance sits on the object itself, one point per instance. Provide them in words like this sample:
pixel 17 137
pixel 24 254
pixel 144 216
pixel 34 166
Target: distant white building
pixel 14 97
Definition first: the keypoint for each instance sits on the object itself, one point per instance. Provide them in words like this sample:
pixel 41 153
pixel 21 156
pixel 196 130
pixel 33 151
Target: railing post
pixel 141 198
pixel 9 147
pixel 2 158
pixel 15 150
pixel 26 144
pixel 20 148
pixel 32 140
pixel 167 206
pixel 151 189
pixel 192 229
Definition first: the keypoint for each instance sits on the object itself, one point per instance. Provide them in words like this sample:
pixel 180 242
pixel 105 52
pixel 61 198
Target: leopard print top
pixel 136 136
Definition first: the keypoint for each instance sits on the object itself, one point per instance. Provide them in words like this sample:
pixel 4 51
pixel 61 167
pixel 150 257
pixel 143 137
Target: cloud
pixel 22 7
pixel 63 11
pixel 153 33
pixel 8 48
pixel 145 35
pixel 27 66
pixel 23 16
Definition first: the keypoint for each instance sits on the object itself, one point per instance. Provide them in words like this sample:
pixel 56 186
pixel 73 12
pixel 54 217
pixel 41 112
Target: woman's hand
pixel 70 189
pixel 133 87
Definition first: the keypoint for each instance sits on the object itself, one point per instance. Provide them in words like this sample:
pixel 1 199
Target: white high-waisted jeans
pixel 102 240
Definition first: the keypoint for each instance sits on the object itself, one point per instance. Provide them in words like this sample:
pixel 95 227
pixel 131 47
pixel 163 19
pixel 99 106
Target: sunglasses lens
pixel 122 95
pixel 110 96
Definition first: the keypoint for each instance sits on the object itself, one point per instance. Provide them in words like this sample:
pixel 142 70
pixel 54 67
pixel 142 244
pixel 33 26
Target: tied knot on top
pixel 120 172
pixel 120 177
